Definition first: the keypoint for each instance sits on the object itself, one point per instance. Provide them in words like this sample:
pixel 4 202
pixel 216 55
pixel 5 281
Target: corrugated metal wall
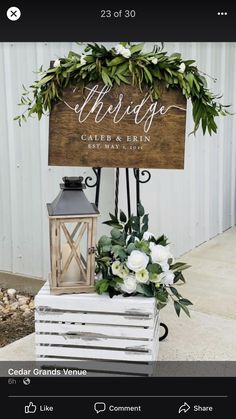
pixel 190 206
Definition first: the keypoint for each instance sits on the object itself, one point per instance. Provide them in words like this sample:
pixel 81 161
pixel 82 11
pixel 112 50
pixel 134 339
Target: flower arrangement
pixel 125 63
pixel 131 261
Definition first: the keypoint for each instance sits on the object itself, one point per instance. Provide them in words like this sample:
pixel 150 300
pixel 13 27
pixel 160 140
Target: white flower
pixel 126 53
pixel 142 276
pixel 115 267
pixel 182 68
pixel 121 50
pixel 82 60
pixel 137 260
pixel 164 266
pixel 154 60
pixel 57 63
pixel 123 272
pixel 147 235
pixel 167 278
pixel 129 285
pixel 159 253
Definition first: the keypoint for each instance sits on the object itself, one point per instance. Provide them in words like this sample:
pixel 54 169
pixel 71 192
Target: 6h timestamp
pixel 117 13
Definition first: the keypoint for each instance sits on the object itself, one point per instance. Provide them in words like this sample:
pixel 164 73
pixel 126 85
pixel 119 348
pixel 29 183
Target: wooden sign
pixel 118 127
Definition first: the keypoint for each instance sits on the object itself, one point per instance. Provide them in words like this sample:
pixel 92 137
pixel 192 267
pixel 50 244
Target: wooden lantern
pixel 73 222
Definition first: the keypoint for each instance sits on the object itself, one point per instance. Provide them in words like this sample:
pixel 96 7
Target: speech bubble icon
pixel 99 407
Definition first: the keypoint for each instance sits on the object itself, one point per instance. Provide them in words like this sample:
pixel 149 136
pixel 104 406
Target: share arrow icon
pixel 184 408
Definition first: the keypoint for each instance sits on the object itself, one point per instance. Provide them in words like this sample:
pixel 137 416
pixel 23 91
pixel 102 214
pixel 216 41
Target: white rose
pixel 129 285
pixel 167 278
pixel 147 235
pixel 115 267
pixel 126 53
pixel 82 60
pixel 164 266
pixel 137 261
pixel 142 276
pixel 57 63
pixel 121 50
pixel 182 68
pixel 159 253
pixel 154 60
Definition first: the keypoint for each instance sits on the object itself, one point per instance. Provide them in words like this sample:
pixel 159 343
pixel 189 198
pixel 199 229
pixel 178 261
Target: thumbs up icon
pixel 31 408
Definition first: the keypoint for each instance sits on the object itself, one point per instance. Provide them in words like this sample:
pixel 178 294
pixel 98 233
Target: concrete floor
pixel 210 334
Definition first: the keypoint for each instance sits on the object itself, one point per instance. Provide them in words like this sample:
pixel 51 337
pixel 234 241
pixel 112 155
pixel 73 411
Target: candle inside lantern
pixel 72 274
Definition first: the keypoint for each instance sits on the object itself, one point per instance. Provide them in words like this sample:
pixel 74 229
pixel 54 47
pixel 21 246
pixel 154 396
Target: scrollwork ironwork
pixel 138 173
pixel 89 179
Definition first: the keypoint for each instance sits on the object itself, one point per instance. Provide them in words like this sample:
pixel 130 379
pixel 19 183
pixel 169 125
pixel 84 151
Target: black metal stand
pixel 142 176
pixel 90 183
pixel 88 179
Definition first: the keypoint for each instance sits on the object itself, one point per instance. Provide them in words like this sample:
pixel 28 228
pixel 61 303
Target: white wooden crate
pixel 95 327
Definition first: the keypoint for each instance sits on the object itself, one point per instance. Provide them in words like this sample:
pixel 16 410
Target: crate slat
pixel 95 303
pixel 91 318
pixel 141 345
pixel 88 353
pixel 96 330
pixel 103 366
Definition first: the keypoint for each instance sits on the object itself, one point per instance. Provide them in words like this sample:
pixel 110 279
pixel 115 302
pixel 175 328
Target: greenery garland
pixel 127 64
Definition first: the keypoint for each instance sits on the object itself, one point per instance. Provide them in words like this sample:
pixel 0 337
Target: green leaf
pixel 162 240
pixel 116 249
pixel 175 292
pixel 115 233
pixel 190 78
pixel 106 79
pixel 116 61
pixel 104 240
pixel 142 245
pixel 175 55
pixel 178 277
pixel 146 219
pixel 144 228
pixel 154 268
pixel 115 281
pixel 122 254
pixel 44 80
pixel 72 54
pixel 102 286
pixel 123 78
pixel 180 266
pixel 185 302
pixel 162 294
pixel 177 307
pixel 145 290
pixel 149 76
pixel 140 210
pixel 136 48
pixel 131 247
pixel 106 248
pixel 123 217
pixel 113 218
pixel 185 309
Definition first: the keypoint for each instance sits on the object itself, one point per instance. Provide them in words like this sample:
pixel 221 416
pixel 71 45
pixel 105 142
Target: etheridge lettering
pixel 142 112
